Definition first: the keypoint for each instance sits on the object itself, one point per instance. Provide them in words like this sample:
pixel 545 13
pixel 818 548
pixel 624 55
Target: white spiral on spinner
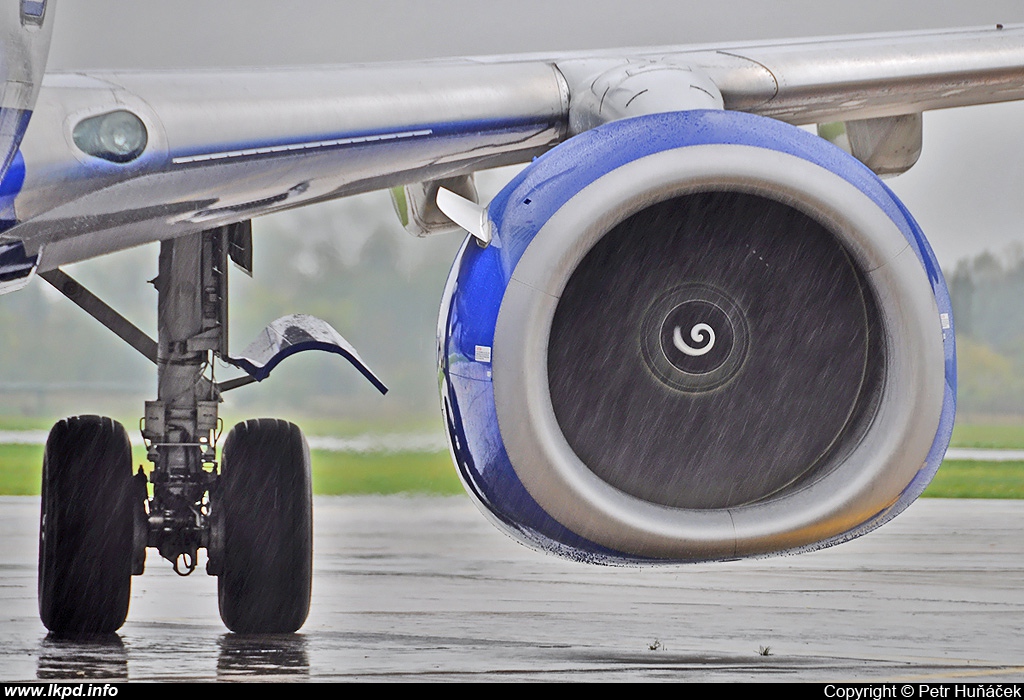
pixel 698 335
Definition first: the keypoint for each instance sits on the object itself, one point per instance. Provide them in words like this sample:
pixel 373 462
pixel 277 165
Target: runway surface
pixel 423 588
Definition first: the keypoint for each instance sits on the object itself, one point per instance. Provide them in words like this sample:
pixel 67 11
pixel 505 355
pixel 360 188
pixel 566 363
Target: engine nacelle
pixel 695 336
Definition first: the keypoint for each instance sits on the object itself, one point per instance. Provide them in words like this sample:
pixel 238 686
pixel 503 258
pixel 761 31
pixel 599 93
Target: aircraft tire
pixel 87 523
pixel 263 510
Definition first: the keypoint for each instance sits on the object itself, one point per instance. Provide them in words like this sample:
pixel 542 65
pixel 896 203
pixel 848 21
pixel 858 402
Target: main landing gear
pixel 252 511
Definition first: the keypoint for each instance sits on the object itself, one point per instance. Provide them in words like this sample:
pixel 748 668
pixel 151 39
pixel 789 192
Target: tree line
pixel 351 263
pixel 987 292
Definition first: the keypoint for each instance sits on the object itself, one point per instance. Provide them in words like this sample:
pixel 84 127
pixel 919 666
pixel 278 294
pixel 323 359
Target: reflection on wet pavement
pixel 262 655
pixel 102 657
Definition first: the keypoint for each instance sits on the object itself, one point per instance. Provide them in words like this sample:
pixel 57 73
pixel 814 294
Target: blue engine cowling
pixel 696 336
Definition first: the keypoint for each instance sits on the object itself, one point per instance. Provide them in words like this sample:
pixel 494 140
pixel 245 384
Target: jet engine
pixel 696 336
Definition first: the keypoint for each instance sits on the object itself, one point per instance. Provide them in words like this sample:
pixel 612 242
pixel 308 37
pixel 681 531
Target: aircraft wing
pixel 225 146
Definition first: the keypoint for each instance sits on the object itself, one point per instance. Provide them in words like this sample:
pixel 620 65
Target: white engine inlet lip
pixel 866 482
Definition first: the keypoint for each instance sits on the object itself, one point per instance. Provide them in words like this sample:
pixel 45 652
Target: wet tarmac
pixel 424 588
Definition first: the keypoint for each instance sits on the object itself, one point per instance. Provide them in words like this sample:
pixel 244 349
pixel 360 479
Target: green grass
pixel 1007 436
pixel 20 469
pixel 424 472
pixel 401 472
pixel 334 473
pixel 337 473
pixel 963 479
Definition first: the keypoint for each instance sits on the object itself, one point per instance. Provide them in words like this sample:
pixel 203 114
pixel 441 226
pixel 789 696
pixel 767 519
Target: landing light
pixel 119 137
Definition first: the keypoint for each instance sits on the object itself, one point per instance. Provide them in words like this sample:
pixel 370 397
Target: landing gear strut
pixel 252 512
pixel 180 427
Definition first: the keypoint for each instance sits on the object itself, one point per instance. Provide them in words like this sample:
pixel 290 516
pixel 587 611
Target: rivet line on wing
pixel 203 157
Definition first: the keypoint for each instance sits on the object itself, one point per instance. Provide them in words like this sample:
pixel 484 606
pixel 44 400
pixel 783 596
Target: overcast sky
pixel 125 33
pixel 967 190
